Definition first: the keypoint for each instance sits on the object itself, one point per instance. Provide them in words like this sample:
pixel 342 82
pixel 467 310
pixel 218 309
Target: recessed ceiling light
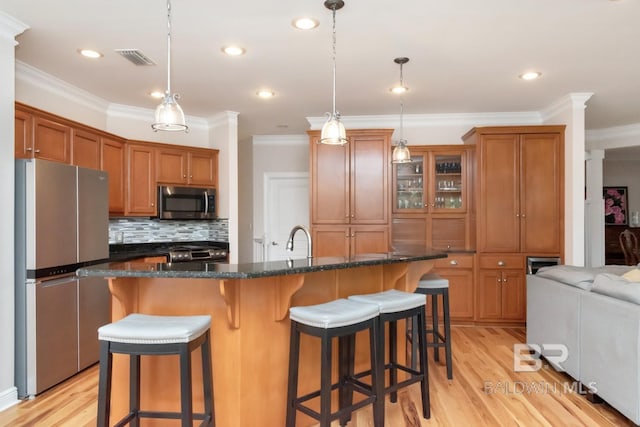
pixel 305 23
pixel 530 75
pixel 89 53
pixel 265 93
pixel 399 89
pixel 157 94
pixel 233 50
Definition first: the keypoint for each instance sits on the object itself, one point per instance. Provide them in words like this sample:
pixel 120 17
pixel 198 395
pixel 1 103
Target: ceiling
pixel 465 55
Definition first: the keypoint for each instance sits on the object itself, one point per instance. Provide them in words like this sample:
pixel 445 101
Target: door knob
pixel 274 243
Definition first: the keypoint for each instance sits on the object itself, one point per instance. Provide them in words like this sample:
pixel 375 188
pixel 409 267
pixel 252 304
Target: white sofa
pixel 595 313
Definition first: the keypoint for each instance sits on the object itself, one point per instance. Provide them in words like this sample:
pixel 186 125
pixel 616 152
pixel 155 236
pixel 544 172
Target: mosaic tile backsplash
pixel 144 230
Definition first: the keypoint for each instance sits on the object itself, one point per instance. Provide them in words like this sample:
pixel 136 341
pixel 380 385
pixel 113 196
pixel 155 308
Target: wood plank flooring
pixel 485 391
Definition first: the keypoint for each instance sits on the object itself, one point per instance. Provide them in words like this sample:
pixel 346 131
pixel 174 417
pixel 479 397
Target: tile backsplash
pixel 144 230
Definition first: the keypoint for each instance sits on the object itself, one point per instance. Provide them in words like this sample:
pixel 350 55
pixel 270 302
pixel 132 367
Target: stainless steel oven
pixel 186 202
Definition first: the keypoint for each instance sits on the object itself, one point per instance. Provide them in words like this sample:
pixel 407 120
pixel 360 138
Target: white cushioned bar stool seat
pixel 432 285
pixel 335 319
pixel 141 334
pixel 395 305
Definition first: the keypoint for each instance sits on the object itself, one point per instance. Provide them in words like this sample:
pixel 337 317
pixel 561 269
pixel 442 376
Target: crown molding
pixel 10 27
pixel 433 120
pixel 146 115
pixel 224 118
pixel 613 133
pixel 572 101
pixel 287 140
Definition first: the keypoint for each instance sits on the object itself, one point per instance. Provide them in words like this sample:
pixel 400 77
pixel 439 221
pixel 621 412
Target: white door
pixel 286 201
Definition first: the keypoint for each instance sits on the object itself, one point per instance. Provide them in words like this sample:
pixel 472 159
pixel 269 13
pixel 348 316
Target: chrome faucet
pixel 306 232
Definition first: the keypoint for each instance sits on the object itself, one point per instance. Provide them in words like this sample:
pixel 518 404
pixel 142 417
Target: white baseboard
pixel 8 398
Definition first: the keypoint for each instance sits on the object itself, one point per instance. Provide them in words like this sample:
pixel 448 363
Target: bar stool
pixel 395 305
pixel 431 284
pixel 140 334
pixel 340 318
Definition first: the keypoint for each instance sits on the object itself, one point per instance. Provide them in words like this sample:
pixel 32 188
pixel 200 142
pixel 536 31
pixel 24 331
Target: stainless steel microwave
pixel 186 202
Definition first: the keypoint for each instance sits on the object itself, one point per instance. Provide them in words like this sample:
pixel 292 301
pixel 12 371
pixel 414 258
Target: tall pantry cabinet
pixel 519 211
pixel 350 197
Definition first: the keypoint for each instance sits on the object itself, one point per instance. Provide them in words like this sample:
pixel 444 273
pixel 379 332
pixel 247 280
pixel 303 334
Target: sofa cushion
pixel 617 287
pixel 569 275
pixel 632 275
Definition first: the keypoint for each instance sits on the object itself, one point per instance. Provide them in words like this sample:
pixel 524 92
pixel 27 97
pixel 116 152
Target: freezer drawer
pixel 94 310
pixel 56 333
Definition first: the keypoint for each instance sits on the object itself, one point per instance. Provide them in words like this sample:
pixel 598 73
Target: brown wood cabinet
pixel 431 198
pixel 85 149
pixel 140 191
pixel 458 268
pixel 23 145
pixel 112 162
pixel 519 211
pixel 186 166
pixel 51 140
pixel 350 189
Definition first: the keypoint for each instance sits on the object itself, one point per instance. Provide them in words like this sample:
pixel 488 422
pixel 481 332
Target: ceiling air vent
pixel 135 56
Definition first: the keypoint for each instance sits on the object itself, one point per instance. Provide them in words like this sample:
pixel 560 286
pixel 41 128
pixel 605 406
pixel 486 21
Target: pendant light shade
pixel 401 152
pixel 169 115
pixel 333 131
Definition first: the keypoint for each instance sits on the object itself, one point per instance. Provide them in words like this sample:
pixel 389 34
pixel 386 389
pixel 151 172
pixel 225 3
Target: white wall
pixel 9 29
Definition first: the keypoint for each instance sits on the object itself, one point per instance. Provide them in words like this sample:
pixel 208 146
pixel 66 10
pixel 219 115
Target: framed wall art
pixel 615 205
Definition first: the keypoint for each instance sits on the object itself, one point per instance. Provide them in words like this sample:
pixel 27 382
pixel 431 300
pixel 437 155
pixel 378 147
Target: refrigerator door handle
pixel 56 282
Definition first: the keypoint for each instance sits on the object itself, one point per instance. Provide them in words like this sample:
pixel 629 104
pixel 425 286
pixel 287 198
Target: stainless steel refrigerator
pixel 62 223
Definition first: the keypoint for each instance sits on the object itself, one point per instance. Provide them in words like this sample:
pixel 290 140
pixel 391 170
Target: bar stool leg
pixel 325 381
pixel 292 387
pixel 186 400
pixel 207 379
pixel 377 371
pixel 447 333
pixel 436 338
pixel 393 358
pixel 104 388
pixel 424 366
pixel 346 350
pixel 134 389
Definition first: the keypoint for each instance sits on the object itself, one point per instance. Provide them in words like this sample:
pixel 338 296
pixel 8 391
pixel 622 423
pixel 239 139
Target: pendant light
pixel 169 115
pixel 401 152
pixel 333 132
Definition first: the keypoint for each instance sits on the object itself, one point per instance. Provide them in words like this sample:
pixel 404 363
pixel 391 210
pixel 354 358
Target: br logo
pixel 528 357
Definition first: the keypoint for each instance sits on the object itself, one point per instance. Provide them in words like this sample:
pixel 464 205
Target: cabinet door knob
pixel 152 204
pixel 184 176
pixel 524 216
pixel 36 151
pixel 501 263
pixel 353 235
pixel 453 262
pixel 29 149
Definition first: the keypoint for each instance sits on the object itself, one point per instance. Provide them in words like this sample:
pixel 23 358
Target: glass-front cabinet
pixel 433 181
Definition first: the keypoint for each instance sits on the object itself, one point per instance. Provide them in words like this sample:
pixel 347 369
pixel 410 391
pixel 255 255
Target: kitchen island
pixel 249 305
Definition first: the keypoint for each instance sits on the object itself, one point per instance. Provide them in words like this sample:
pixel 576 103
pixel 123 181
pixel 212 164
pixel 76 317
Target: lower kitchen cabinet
pixel 458 269
pixel 344 240
pixel 501 289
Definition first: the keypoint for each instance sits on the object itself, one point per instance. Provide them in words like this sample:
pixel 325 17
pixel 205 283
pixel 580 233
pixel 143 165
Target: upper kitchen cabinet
pixel 350 183
pixel 520 187
pixel 140 191
pixel 85 149
pixel 431 198
pixel 186 166
pixel 112 155
pixel 40 135
pixel 350 187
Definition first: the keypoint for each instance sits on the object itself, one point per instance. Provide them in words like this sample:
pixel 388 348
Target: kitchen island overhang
pixel 249 306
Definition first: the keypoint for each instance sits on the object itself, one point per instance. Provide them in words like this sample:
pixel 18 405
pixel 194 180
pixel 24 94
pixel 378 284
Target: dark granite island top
pixel 249 306
pixel 213 270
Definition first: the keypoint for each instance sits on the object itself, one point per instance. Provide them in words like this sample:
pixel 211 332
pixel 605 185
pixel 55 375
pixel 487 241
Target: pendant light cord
pixel 168 47
pixel 334 60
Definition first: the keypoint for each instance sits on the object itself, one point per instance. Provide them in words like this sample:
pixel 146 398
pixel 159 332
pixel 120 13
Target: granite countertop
pixel 212 270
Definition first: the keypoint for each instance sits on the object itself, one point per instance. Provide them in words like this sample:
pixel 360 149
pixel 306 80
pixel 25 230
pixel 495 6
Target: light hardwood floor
pixel 485 391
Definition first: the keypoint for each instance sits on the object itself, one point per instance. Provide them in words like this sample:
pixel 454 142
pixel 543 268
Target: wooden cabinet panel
pixel 458 269
pixel 409 231
pixel 369 239
pixel 52 141
pixel 502 261
pixel 330 190
pixel 203 168
pixel 513 295
pixel 369 201
pixel 23 144
pixel 448 232
pixel 141 184
pixel 171 166
pixel 331 240
pixel 499 220
pixel 502 295
pixel 85 149
pixel 112 161
pixel 541 193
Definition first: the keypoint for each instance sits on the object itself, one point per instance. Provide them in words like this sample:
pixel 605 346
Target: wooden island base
pixel 250 337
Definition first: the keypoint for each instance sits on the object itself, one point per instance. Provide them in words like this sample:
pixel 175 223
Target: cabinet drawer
pixel 501 261
pixel 455 261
